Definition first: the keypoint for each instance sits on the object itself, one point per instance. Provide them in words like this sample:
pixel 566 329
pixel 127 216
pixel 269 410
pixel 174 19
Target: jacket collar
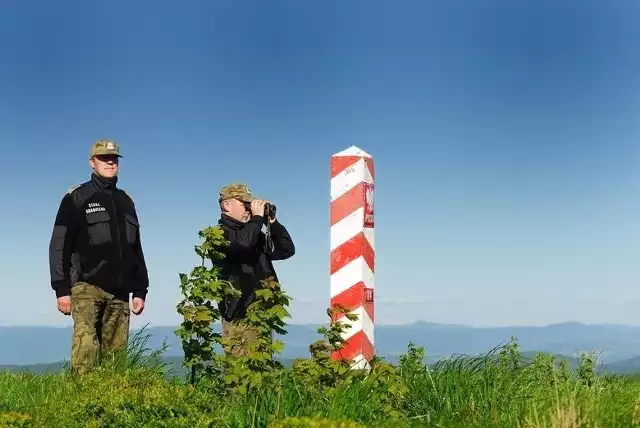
pixel 230 222
pixel 103 184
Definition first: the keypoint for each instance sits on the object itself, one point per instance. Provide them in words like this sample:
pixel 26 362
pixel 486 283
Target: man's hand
pixel 64 304
pixel 137 305
pixel 257 207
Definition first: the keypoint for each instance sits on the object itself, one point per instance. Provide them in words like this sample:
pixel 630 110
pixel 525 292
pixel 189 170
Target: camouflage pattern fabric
pixel 100 325
pixel 236 191
pixel 240 335
pixel 105 147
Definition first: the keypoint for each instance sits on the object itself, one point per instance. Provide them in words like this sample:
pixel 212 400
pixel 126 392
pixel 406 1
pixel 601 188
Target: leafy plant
pixel 265 316
pixel 587 368
pixel 202 291
pixel 323 370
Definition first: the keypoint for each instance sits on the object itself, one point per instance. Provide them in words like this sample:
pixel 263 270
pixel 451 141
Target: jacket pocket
pixel 132 227
pixel 99 228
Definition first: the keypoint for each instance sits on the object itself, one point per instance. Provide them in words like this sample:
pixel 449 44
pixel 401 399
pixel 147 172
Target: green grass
pixel 499 389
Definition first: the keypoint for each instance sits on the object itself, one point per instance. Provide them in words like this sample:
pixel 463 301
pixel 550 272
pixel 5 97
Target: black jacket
pixel 96 239
pixel 248 259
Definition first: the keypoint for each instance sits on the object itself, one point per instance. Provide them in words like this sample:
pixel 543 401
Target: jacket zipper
pixel 119 243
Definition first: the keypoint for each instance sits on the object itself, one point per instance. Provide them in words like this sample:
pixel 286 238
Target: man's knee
pixel 115 328
pixel 84 347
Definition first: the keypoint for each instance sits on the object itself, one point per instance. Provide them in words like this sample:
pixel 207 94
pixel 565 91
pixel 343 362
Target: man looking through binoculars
pixel 248 256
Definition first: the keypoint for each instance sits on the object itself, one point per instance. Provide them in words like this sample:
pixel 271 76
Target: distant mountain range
pixel 618 346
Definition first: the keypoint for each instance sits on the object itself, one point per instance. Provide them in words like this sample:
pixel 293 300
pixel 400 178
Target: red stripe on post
pixel 351 250
pixel 347 203
pixel 357 344
pixel 340 163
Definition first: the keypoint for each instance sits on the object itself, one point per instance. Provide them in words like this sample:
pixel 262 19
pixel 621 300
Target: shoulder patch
pixel 72 188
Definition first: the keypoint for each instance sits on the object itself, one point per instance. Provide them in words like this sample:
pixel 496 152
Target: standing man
pixel 96 260
pixel 248 257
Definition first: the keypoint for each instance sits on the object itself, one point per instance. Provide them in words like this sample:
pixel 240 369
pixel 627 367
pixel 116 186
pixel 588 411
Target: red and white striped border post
pixel 352 250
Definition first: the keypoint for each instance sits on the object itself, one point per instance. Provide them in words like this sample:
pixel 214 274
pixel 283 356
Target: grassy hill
pixel 500 389
pixel 458 387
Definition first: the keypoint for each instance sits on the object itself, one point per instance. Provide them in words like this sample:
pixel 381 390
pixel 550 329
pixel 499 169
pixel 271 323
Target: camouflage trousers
pixel 100 325
pixel 241 336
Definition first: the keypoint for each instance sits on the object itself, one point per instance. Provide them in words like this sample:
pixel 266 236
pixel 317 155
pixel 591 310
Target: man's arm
pixel 283 247
pixel 61 245
pixel 141 285
pixel 245 241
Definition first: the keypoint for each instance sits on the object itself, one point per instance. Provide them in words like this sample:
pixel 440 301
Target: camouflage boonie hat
pixel 105 147
pixel 236 191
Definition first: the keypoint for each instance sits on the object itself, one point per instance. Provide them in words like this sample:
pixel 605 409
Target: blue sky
pixel 505 135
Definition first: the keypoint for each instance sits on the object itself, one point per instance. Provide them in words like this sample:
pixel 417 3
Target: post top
pixel 353 151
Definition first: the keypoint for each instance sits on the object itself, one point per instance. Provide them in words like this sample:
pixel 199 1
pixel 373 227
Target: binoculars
pixel 269 209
